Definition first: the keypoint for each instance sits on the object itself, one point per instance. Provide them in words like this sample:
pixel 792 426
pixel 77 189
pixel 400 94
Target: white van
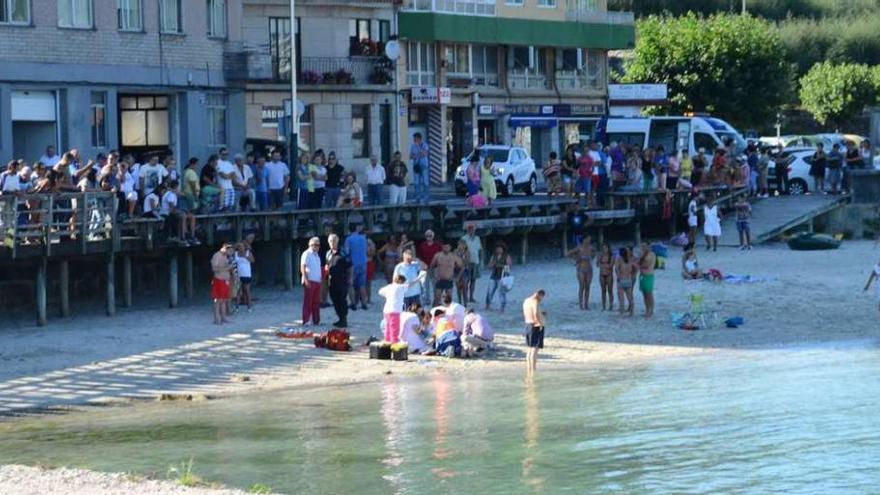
pixel 673 133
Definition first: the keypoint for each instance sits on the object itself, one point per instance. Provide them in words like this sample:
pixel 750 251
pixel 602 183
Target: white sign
pixel 638 92
pixel 486 109
pixel 428 95
pixel 547 110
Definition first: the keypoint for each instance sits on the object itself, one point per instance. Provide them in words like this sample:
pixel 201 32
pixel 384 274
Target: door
pixel 34 123
pixel 385 132
pixel 486 132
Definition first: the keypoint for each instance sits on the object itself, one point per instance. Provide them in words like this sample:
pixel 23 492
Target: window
pixel 279 47
pixel 360 131
pixel 359 37
pixel 595 69
pixel 705 141
pixel 75 14
pixel 485 65
pixel 384 31
pixel 15 12
pixel 528 68
pixel 582 5
pixel 517 3
pixel 458 60
pixel 217 18
pixel 99 123
pixel 216 104
pixel 571 59
pixel 547 3
pixel 170 16
pixel 128 15
pixel 144 120
pixel 420 64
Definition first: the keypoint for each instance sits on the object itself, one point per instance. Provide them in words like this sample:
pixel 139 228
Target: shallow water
pixel 789 421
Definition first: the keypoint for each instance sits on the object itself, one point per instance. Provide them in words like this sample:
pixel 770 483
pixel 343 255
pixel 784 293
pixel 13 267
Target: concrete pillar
pixel 524 248
pixel 564 241
pixel 287 264
pixel 637 232
pixel 111 285
pixel 188 274
pixel 172 281
pixel 601 237
pixel 297 254
pixel 64 279
pixel 126 282
pixel 40 289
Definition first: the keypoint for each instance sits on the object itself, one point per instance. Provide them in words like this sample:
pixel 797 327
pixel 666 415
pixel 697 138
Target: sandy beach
pixel 804 298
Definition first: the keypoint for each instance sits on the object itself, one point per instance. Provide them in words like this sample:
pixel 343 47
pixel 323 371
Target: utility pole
pixel 744 8
pixel 293 145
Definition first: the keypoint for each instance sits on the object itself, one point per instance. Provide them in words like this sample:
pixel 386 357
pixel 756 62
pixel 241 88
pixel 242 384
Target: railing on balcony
pixel 524 79
pixel 345 71
pixel 243 62
pixel 600 17
pixel 468 7
pixel 577 79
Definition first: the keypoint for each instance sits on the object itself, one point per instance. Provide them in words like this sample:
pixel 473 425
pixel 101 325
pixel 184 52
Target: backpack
pixel 334 340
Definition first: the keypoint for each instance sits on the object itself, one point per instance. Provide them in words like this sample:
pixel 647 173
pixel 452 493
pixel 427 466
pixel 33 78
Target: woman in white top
pixel 693 220
pixel 711 225
pixel 875 278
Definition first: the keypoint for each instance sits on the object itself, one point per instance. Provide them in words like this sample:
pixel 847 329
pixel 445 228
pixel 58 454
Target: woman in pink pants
pixel 393 294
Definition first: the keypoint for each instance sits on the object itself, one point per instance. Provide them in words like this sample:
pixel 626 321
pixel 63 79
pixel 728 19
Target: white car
pixel 511 166
pixel 799 179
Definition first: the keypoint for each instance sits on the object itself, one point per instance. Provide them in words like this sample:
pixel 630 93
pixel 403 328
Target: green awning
pixel 431 26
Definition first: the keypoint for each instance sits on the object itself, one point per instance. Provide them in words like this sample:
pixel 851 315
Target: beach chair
pixel 697 314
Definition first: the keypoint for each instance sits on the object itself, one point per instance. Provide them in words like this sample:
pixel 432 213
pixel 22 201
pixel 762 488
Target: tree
pixel 833 92
pixel 732 66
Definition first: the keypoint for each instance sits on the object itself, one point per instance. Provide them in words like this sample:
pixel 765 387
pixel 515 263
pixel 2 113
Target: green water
pixel 782 421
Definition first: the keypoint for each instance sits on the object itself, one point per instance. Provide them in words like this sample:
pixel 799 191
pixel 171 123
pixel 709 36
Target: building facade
pixel 345 83
pixel 526 72
pixel 141 76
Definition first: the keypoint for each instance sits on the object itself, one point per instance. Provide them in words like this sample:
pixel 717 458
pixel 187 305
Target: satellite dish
pixel 392 50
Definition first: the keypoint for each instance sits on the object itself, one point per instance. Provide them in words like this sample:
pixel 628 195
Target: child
pixel 743 213
pixel 243 261
pixel 477 200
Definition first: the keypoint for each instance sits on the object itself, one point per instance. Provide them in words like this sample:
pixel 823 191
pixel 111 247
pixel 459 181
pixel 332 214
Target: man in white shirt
pixel 176 220
pixel 456 310
pixel 225 176
pixel 151 175
pixel 50 158
pixel 279 180
pixel 375 182
pixel 244 183
pixel 310 268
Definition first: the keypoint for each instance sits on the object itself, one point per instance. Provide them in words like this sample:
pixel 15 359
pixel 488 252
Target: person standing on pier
pixel 310 268
pixel 397 180
pixel 418 156
pixel 279 180
pixel 535 325
pixel 647 263
pixel 220 283
pixel 375 182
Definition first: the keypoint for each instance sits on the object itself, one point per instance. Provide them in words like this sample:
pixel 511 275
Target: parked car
pixel 511 166
pixel 799 180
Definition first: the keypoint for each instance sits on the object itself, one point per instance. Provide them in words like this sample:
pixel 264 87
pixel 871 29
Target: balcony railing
pixel 577 79
pixel 246 63
pixel 600 17
pixel 467 7
pixel 519 79
pixel 345 71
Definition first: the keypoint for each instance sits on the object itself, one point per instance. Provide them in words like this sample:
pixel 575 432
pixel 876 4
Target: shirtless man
pixel 534 320
pixel 647 261
pixel 443 266
pixel 220 284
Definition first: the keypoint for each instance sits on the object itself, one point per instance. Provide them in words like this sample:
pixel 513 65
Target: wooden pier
pixel 63 228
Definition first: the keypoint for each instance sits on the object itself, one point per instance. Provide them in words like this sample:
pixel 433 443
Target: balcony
pixel 345 71
pixel 524 79
pixel 600 17
pixel 246 63
pixel 466 7
pixel 577 79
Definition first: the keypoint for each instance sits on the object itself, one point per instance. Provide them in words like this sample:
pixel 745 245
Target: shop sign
pixel 429 95
pixel 637 92
pixel 270 116
pixel 485 110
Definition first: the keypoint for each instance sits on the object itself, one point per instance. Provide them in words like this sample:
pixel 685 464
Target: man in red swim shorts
pixel 220 283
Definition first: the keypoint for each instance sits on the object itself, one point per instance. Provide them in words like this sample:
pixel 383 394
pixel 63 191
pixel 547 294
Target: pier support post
pixel 564 241
pixel 172 281
pixel 297 254
pixel 524 248
pixel 40 289
pixel 126 281
pixel 64 279
pixel 287 264
pixel 637 232
pixel 111 285
pixel 188 274
pixel 601 237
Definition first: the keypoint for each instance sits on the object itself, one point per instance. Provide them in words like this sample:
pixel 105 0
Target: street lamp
pixel 293 144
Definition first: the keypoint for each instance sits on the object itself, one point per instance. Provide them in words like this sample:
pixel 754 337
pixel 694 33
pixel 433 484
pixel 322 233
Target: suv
pixel 511 166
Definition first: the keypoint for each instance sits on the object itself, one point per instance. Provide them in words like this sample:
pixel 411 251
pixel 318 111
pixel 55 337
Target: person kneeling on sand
pixel 477 334
pixel 690 267
pixel 411 331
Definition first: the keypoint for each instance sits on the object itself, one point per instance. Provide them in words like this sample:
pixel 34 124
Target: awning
pixel 539 122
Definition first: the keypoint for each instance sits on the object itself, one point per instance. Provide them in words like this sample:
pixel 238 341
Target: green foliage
pixel 836 92
pixel 768 9
pixel 184 475
pixel 808 42
pixel 729 65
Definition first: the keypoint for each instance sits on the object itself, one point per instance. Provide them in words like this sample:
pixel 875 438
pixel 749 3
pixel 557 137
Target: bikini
pixel 585 264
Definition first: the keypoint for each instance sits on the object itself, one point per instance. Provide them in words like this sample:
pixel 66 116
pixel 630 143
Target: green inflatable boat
pixel 813 242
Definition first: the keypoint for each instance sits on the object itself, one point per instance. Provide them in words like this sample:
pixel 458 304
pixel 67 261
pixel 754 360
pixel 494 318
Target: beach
pixel 799 298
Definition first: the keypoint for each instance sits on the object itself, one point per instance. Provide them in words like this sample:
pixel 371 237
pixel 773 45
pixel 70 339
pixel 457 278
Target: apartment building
pixel 345 83
pixel 142 76
pixel 529 72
